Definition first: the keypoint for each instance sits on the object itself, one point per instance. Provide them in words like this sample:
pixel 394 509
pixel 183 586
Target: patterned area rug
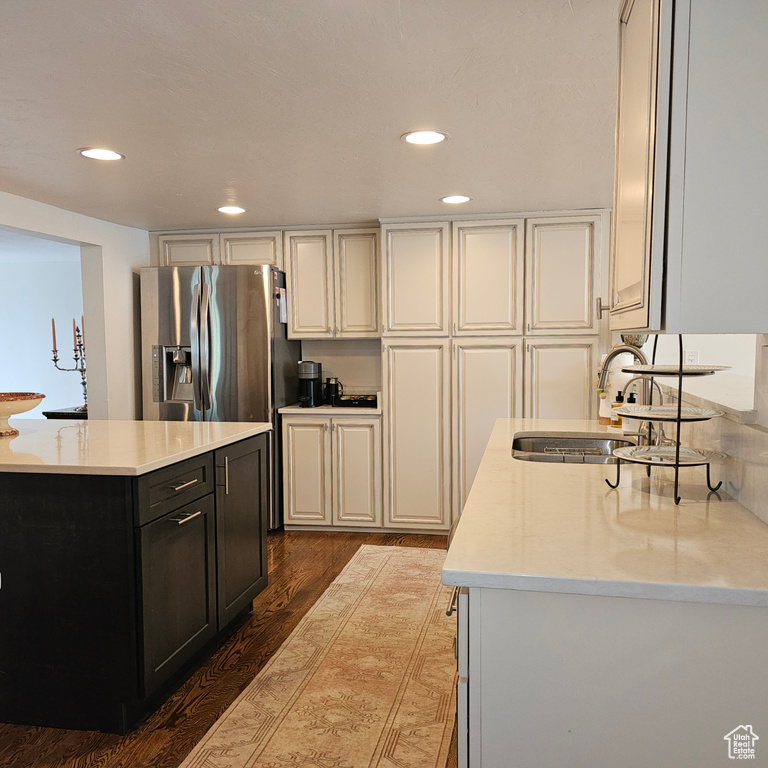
pixel 365 680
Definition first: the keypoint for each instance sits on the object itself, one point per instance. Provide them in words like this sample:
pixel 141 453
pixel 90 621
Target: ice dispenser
pixel 172 374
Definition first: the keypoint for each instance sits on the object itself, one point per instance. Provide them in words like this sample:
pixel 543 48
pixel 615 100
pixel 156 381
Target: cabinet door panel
pixel 563 266
pixel 309 277
pixel 487 385
pixel 417 429
pixel 634 182
pixel 307 471
pixel 178 589
pixel 357 284
pixel 560 377
pixel 242 507
pixel 252 248
pixel 488 277
pixel 416 279
pixel 181 250
pixel 356 461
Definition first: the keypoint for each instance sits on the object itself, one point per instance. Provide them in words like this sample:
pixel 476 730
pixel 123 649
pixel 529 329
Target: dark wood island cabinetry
pixel 112 586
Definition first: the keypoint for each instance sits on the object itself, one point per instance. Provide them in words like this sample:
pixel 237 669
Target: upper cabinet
pixel 195 249
pixel 688 250
pixel 563 280
pixel 332 280
pixel 488 277
pixel 416 274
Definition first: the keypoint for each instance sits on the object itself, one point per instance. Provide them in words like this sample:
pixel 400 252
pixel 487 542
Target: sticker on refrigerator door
pixel 283 302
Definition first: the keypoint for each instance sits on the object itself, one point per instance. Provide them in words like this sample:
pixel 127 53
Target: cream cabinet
pixel 332 470
pixel 487 378
pixel 332 283
pixel 487 258
pixel 199 249
pixel 688 251
pixel 560 377
pixel 416 279
pixel 563 273
pixel 417 428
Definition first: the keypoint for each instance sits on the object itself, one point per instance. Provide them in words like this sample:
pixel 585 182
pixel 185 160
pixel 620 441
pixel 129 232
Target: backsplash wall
pixel 355 362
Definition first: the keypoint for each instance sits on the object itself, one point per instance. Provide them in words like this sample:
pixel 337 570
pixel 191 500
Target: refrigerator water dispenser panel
pixel 172 374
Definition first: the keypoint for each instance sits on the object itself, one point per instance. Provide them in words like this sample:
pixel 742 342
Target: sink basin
pixel 567 447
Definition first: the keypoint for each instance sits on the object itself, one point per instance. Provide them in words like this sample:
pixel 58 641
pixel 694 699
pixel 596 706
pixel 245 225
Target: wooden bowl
pixel 12 403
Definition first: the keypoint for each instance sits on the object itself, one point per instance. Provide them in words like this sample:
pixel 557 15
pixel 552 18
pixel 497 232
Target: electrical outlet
pixel 692 357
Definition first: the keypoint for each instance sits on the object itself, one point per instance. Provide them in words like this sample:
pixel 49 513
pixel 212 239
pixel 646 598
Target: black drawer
pixel 172 487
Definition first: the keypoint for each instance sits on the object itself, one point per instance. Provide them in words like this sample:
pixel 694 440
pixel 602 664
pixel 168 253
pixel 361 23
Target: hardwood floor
pixel 301 566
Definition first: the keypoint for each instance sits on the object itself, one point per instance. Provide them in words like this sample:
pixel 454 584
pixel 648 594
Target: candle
pixel 53 332
pixel 74 333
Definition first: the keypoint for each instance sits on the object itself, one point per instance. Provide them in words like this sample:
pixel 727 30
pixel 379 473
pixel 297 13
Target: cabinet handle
pixel 226 475
pixel 189 484
pixel 600 308
pixel 187 518
pixel 382 329
pixel 452 603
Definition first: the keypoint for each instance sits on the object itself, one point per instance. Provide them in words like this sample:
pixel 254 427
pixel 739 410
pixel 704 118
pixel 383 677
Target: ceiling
pixel 294 108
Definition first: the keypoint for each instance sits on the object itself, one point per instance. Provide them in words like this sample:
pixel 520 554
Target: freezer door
pixel 169 343
pixel 236 333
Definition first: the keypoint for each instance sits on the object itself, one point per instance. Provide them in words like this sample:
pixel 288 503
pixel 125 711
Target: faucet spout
pixel 606 367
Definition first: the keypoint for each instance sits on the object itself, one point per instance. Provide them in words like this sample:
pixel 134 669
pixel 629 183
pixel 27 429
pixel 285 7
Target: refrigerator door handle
pixel 205 341
pixel 194 338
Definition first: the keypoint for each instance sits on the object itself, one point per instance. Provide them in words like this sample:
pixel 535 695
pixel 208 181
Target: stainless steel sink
pixel 567 447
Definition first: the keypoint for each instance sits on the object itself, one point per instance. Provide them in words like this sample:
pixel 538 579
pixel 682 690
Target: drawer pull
pixel 226 475
pixel 453 601
pixel 189 484
pixel 187 518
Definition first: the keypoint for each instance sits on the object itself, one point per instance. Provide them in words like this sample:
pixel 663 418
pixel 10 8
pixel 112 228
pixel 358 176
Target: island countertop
pixel 114 447
pixel 559 528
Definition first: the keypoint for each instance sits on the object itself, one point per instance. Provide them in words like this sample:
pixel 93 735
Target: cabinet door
pixel 309 278
pixel 356 462
pixel 178 590
pixel 307 470
pixel 487 385
pixel 252 248
pixel 242 509
pixel 636 277
pixel 563 274
pixel 417 432
pixel 560 378
pixel 192 250
pixel 357 284
pixel 416 279
pixel 488 277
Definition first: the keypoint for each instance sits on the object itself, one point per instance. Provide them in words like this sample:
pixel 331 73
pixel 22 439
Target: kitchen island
pixel 603 627
pixel 127 551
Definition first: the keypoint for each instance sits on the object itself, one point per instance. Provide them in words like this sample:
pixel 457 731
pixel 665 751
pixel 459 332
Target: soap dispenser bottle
pixel 616 417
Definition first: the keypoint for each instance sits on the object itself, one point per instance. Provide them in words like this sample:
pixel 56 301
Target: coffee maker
pixel 310 384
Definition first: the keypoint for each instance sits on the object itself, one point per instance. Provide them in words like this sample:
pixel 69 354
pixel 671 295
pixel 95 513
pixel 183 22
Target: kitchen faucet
pixel 645 433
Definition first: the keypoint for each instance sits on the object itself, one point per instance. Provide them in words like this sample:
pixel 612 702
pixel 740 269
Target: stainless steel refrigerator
pixel 215 348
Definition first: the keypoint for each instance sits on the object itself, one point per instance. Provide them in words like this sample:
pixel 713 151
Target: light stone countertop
pixel 61 446
pixel 559 528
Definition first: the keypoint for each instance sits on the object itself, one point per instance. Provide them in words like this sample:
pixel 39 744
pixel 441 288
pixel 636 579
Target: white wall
pixel 355 362
pixel 110 256
pixel 736 350
pixel 25 340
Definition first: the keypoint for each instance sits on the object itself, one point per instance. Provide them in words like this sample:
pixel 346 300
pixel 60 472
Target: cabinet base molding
pixel 366 529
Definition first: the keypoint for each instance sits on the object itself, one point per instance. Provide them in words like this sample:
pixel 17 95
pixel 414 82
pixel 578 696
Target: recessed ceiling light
pixel 231 209
pixel 99 153
pixel 424 137
pixel 456 199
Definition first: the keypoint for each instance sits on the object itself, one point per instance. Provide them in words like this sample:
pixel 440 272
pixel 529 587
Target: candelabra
pixel 79 357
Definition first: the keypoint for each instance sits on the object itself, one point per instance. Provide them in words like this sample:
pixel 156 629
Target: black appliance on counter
pixel 310 384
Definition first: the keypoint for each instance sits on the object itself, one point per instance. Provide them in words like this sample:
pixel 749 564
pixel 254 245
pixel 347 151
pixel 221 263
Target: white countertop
pixel 559 528
pixel 61 446
pixel 329 410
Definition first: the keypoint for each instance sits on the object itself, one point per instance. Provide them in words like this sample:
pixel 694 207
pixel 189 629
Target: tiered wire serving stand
pixel 672 456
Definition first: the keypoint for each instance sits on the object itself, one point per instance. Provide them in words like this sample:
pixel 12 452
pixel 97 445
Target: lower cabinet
pixel 332 470
pixel 112 586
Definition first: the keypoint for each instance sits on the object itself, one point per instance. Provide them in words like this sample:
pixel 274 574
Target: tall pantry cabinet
pixel 482 319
